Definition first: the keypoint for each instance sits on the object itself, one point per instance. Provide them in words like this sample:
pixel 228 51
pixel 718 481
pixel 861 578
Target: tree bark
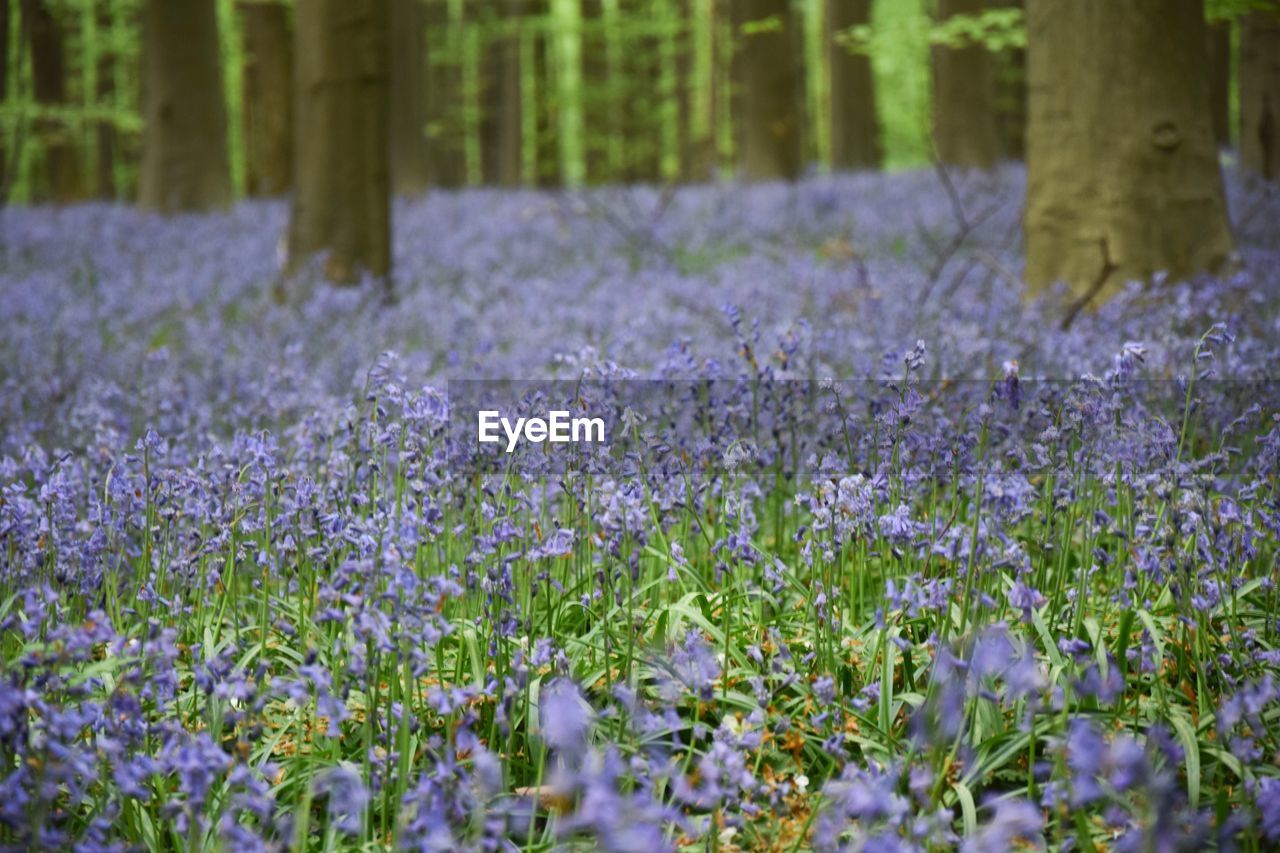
pixel 503 122
pixel 855 140
pixel 104 136
pixel 410 163
pixel 445 151
pixel 1123 176
pixel 1260 94
pixel 342 180
pixel 599 98
pixel 697 91
pixel 965 125
pixel 185 165
pixel 5 59
pixel 1219 57
pixel 768 95
pixel 1010 71
pixel 49 78
pixel 268 93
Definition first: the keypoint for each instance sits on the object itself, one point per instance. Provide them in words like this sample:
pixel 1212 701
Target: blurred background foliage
pixel 633 55
pixel 608 88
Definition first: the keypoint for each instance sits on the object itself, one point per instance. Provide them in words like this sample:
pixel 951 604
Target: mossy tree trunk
pixel 268 92
pixel 410 163
pixel 1123 175
pixel 185 164
pixel 44 35
pixel 965 122
pixel 342 178
pixel 767 90
pixel 855 138
pixel 1260 94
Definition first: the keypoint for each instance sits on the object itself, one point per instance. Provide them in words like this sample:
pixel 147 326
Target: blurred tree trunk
pixel 5 59
pixel 105 132
pixel 1219 47
pixel 185 164
pixel 503 121
pixel 442 100
pixel 1010 71
pixel 855 141
pixel 1123 177
pixel 965 126
pixel 410 160
pixel 697 91
pixel 546 123
pixel 342 180
pixel 268 93
pixel 637 84
pixel 49 78
pixel 599 98
pixel 1260 94
pixel 767 90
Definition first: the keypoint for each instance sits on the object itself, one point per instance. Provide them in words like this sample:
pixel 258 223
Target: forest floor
pixel 879 552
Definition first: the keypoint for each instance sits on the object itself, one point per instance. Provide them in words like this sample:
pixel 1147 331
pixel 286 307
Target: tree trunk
pixel 503 122
pixel 445 151
pixel 697 91
pixel 49 76
pixel 767 90
pixel 1123 177
pixel 104 136
pixel 185 165
pixel 268 92
pixel 1260 94
pixel 410 164
pixel 5 59
pixel 546 122
pixel 1010 72
pixel 965 126
pixel 1219 48
pixel 855 141
pixel 342 180
pixel 638 71
pixel 599 97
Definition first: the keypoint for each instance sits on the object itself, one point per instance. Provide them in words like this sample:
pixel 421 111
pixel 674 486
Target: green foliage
pixel 1227 10
pixel 899 49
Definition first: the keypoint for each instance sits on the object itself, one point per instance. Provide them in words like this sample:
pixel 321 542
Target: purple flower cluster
pixel 873 558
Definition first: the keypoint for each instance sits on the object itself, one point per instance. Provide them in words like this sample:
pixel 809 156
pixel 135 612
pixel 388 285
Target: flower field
pixel 881 555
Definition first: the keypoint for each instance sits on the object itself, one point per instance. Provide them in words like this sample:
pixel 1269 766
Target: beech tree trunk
pixel 697 91
pixel 767 85
pixel 1010 70
pixel 1219 57
pixel 1123 176
pixel 49 78
pixel 410 164
pixel 185 165
pixel 104 136
pixel 442 100
pixel 4 94
pixel 268 92
pixel 1260 94
pixel 342 193
pixel 965 123
pixel 855 140
pixel 503 122
pixel 546 121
